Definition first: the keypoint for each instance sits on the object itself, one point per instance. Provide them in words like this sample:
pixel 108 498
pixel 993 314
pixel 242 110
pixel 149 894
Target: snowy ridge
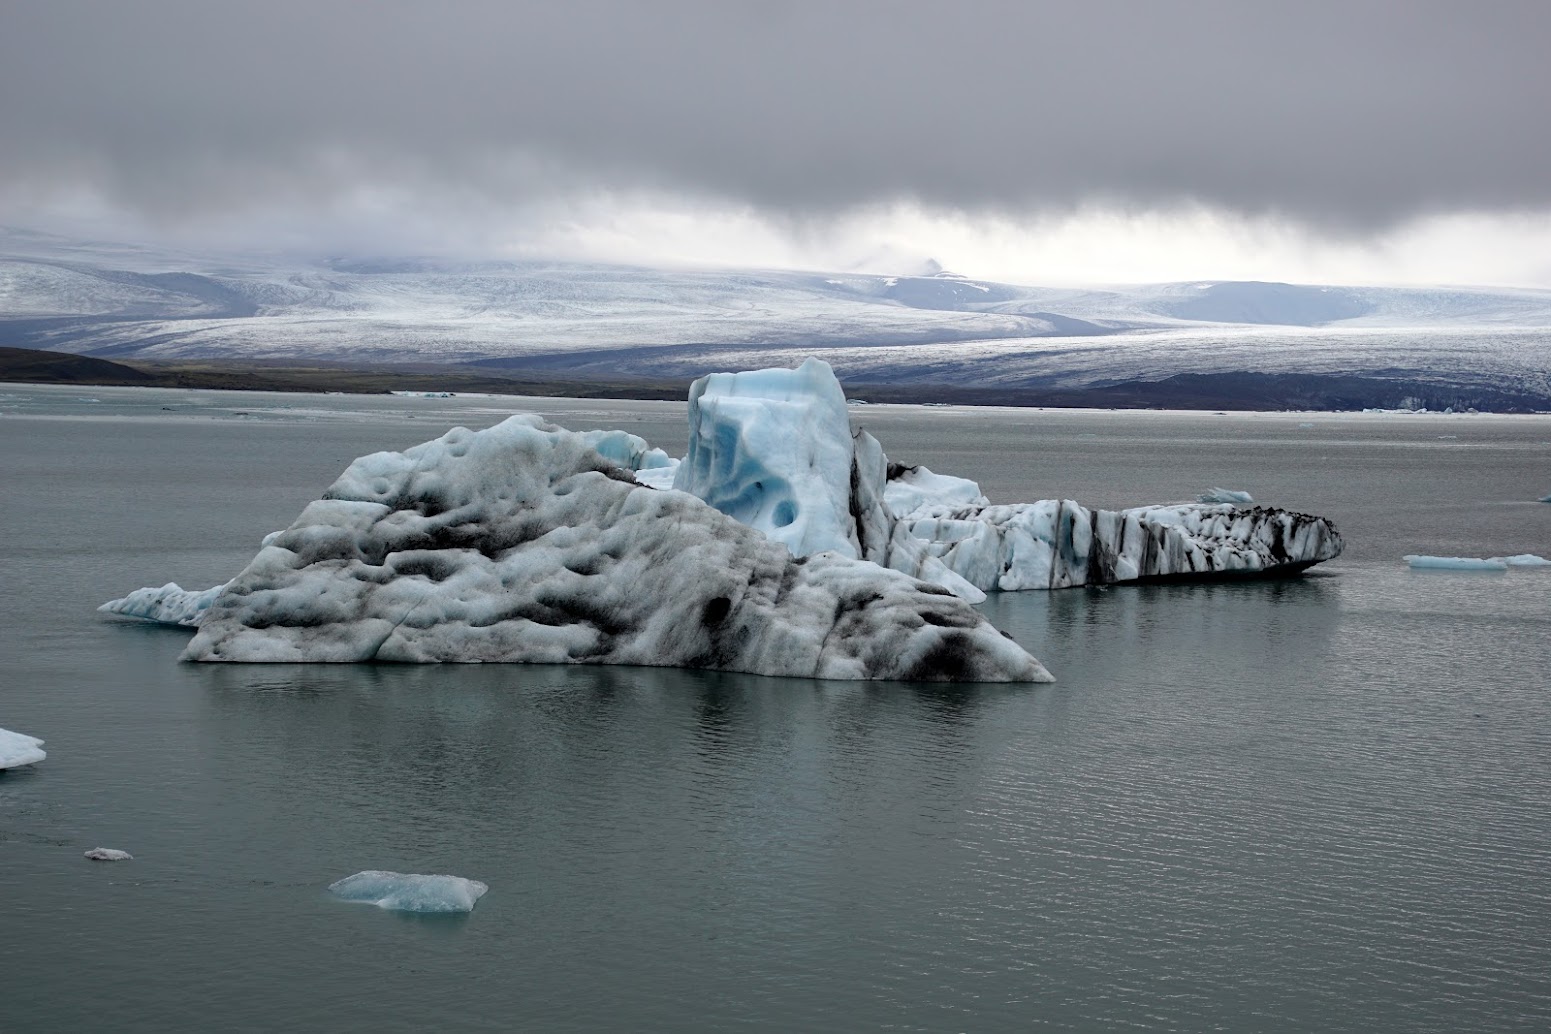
pixel 546 318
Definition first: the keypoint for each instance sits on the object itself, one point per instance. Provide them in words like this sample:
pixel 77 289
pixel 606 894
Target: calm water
pixel 1321 804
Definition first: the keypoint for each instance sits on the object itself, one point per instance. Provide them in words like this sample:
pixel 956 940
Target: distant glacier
pixel 1184 343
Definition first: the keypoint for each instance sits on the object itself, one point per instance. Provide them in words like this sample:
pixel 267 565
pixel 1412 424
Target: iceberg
pixel 1455 563
pixel 1226 495
pixel 521 543
pixel 410 892
pixel 1466 563
pixel 108 854
pixel 18 749
pixel 773 449
pixel 170 604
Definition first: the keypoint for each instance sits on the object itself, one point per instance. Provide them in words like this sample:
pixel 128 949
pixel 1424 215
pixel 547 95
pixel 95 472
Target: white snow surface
pixel 410 892
pixel 520 543
pixel 169 604
pixel 773 449
pixel 1226 495
pixel 911 488
pixel 18 749
pixel 108 854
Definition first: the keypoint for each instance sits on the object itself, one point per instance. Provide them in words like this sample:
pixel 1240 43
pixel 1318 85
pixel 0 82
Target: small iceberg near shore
pixel 410 892
pixel 18 749
pixel 108 854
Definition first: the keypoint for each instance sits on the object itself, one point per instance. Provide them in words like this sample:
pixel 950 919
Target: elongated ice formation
pixel 1469 563
pixel 1058 544
pixel 18 749
pixel 1226 495
pixel 410 892
pixel 1455 563
pixel 521 543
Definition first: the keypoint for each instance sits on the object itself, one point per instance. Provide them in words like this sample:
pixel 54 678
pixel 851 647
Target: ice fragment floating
pixel 1226 495
pixel 18 749
pixel 108 854
pixel 410 892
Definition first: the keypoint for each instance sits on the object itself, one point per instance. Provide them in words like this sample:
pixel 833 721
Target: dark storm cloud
pixel 1343 113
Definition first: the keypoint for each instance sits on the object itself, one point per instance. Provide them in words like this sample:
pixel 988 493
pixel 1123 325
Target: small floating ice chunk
pixel 1226 495
pixel 1455 563
pixel 170 604
pixel 410 892
pixel 17 749
pixel 108 854
pixel 1524 560
pixel 1545 498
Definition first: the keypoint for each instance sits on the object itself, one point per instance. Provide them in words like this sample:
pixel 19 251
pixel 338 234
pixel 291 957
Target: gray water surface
pixel 1319 804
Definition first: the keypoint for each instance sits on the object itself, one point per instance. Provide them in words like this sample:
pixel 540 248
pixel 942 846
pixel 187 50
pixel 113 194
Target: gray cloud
pixel 1346 114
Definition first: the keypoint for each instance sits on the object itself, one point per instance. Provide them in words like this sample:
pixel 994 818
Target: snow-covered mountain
pixel 116 301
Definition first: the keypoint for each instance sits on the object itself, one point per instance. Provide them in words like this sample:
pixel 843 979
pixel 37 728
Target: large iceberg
pixel 774 450
pixel 410 892
pixel 18 749
pixel 522 543
pixel 783 543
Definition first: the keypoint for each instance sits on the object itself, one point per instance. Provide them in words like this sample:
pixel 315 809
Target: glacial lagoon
pixel 1322 803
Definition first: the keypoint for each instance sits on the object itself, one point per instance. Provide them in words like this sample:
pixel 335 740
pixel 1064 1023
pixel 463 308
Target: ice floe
pixel 410 892
pixel 1455 563
pixel 108 854
pixel 170 604
pixel 520 543
pixel 18 749
pixel 1467 563
pixel 1226 495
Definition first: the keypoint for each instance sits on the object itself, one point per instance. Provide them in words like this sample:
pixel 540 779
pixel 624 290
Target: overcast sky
pixel 1044 140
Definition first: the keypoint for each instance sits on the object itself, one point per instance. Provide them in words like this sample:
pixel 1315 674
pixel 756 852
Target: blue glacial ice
pixel 410 892
pixel 1455 563
pixel 18 749
pixel 774 450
